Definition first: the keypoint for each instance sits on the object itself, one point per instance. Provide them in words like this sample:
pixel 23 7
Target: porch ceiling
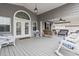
pixel 42 7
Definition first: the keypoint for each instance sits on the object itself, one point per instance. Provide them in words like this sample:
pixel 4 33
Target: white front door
pixel 22 28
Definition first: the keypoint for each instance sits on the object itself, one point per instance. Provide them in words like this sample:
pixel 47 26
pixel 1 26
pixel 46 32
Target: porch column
pixel 41 30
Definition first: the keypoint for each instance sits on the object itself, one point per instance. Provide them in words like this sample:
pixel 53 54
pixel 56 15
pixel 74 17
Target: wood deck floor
pixel 30 47
pixel 33 47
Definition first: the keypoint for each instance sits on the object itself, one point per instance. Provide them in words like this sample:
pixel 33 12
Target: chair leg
pixel 60 45
pixel 57 51
pixel 14 43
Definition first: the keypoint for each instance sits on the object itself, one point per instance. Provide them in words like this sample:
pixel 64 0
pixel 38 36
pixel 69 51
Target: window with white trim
pixel 5 24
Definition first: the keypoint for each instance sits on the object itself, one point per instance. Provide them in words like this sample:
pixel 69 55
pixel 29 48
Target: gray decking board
pixel 2 52
pixel 15 51
pixel 18 51
pixel 27 49
pixel 11 51
pixel 32 47
pixel 6 51
pixel 21 49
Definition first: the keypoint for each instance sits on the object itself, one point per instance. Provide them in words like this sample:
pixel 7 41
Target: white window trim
pixel 7 24
pixel 14 21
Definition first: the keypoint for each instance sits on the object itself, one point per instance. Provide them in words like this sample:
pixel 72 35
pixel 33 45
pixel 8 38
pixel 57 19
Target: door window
pixel 18 28
pixel 26 28
pixel 34 26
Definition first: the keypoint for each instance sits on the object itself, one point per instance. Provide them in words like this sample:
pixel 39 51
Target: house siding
pixel 66 10
pixel 8 10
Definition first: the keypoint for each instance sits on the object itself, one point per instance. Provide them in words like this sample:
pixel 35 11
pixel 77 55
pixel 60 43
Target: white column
pixel 41 30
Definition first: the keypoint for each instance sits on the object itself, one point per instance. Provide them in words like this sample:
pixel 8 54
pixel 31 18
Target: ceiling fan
pixel 60 21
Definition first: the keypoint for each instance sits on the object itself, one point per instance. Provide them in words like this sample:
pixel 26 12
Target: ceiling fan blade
pixel 62 22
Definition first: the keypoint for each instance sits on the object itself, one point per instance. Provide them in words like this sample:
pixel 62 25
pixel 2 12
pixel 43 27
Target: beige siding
pixel 62 11
pixel 68 11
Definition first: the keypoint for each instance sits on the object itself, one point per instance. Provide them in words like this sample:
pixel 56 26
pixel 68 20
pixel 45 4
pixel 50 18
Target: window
pixel 34 26
pixel 26 28
pixel 48 25
pixel 22 15
pixel 4 28
pixel 18 28
pixel 5 23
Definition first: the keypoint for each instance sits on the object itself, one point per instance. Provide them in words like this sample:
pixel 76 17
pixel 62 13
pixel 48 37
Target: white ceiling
pixel 42 7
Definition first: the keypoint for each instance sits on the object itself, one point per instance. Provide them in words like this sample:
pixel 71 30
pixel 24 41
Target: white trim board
pixel 14 22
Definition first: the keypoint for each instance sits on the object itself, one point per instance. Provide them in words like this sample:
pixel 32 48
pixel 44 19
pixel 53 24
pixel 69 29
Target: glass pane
pixel 1 28
pixel 7 28
pixel 47 26
pixel 26 28
pixel 22 15
pixel 18 28
pixel 4 28
pixel 34 26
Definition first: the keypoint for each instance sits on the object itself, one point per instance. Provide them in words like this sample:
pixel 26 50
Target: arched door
pixel 22 25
